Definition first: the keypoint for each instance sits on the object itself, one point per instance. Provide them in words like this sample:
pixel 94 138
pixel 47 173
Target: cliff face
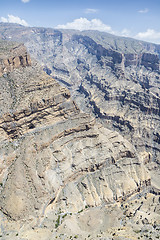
pixel 56 162
pixel 115 79
pixel 13 56
pixel 53 154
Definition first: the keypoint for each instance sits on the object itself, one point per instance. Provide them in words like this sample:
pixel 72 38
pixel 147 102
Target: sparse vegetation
pixel 57 221
pixel 80 211
pixel 64 215
pixel 137 231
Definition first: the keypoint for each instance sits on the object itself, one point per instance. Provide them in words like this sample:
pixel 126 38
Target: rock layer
pixel 52 155
pixel 59 168
pixel 115 79
pixel 13 56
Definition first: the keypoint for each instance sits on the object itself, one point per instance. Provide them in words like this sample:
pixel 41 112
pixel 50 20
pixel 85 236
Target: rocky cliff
pixel 115 79
pixel 58 167
pixel 52 144
pixel 12 56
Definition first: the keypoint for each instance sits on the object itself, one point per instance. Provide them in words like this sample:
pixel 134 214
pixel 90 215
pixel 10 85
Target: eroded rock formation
pixel 13 56
pixel 54 153
pixel 56 161
pixel 115 79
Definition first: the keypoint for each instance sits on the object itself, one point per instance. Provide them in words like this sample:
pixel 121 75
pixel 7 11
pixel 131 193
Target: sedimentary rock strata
pixel 115 79
pixel 52 154
pixel 13 56
pixel 62 171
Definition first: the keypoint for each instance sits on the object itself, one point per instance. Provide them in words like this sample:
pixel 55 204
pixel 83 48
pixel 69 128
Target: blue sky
pixel 134 18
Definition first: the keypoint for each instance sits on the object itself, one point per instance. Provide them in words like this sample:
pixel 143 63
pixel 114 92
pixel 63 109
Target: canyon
pixel 79 135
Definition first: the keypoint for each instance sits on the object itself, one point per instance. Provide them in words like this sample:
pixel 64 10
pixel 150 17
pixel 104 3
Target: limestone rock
pixel 55 156
pixel 13 56
pixel 115 79
pixel 60 170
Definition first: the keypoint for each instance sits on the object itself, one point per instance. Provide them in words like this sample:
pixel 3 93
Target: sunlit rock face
pixel 115 79
pixel 54 154
pixel 72 159
pixel 12 58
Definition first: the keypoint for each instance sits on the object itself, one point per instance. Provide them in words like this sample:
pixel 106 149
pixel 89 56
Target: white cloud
pixel 150 35
pixel 90 10
pixel 25 1
pixel 146 10
pixel 125 33
pixel 3 19
pixel 14 19
pixel 84 24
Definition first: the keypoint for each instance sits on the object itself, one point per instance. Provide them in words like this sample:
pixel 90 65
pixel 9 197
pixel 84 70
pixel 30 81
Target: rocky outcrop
pixel 148 60
pixel 13 58
pixel 111 57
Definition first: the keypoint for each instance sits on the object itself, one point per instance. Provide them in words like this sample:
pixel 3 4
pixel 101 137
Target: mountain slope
pixel 61 167
pixel 116 79
pixel 52 155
